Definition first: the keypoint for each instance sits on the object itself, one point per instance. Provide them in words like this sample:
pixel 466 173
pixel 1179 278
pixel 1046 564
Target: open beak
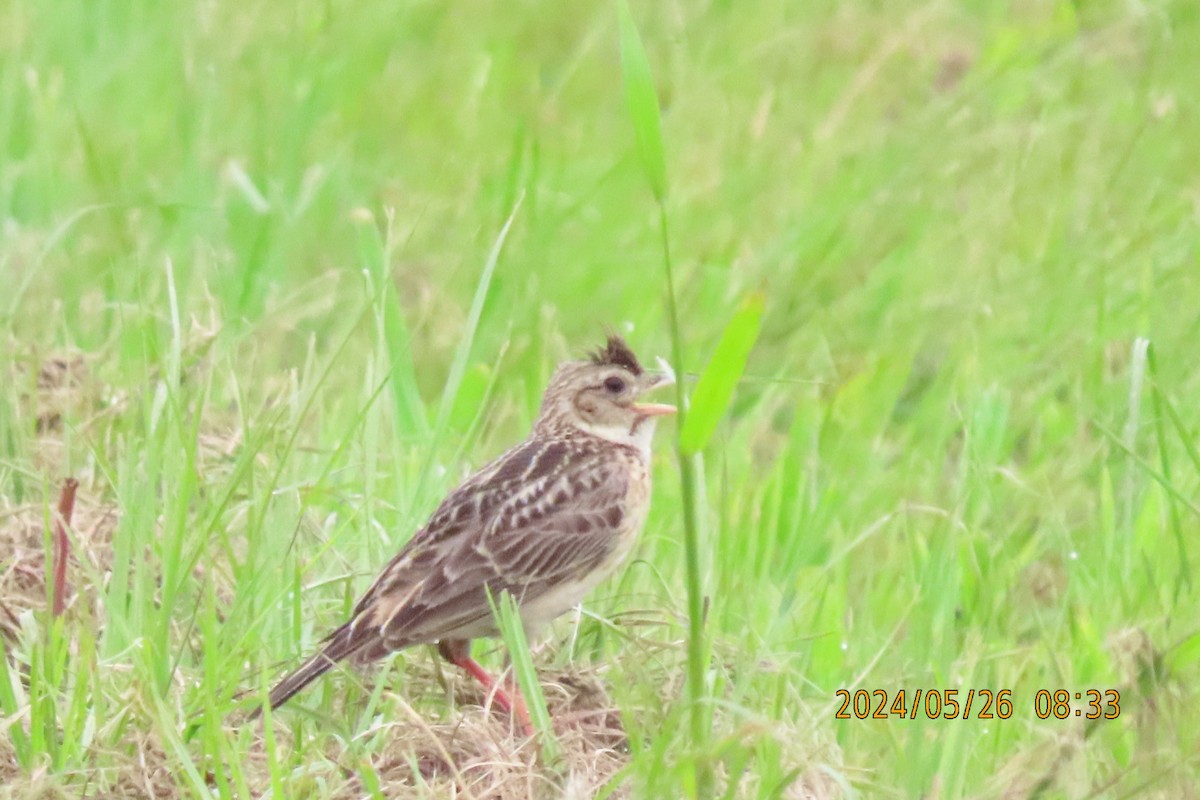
pixel 657 380
pixel 653 409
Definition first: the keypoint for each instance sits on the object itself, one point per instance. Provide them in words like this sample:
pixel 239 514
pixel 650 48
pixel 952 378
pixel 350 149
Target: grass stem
pixel 696 650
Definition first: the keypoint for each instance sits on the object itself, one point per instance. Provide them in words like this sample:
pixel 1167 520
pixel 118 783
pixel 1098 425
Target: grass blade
pixel 466 341
pixel 715 388
pixel 508 618
pixel 1161 404
pixel 10 708
pixel 644 113
pixel 643 103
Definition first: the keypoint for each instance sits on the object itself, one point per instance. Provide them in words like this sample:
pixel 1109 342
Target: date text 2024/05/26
pixel 975 704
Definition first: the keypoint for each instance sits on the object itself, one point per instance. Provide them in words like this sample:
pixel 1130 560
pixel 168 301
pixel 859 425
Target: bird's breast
pixel 633 516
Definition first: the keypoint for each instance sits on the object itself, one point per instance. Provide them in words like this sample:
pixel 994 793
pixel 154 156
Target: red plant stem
pixel 62 546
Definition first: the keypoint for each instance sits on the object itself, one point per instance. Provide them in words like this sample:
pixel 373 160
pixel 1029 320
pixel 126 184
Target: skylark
pixel 546 522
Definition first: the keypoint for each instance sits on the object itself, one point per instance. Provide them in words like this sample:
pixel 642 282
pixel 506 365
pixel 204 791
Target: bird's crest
pixel 616 353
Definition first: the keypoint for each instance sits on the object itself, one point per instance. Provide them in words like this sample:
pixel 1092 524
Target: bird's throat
pixel 637 435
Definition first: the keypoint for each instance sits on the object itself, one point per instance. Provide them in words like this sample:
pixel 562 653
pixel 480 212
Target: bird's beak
pixel 656 380
pixel 653 409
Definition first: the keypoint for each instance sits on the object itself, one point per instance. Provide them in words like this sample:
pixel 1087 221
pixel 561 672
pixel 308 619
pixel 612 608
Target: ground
pixel 254 305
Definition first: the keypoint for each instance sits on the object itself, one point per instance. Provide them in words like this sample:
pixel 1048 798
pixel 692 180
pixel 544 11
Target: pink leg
pixel 458 653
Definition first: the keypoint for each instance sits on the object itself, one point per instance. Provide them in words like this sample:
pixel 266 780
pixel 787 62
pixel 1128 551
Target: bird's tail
pixel 340 644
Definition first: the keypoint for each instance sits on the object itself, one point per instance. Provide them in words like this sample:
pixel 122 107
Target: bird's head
pixel 601 396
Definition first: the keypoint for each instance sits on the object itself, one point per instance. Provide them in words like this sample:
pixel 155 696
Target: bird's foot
pixel 507 697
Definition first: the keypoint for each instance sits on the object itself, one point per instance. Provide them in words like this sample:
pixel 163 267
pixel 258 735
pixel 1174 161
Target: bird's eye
pixel 614 385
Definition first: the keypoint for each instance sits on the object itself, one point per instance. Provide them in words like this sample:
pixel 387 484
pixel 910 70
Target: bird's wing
pixel 465 513
pixel 544 519
pixel 539 515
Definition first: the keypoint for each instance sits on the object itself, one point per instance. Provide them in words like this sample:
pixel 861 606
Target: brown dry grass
pixel 476 754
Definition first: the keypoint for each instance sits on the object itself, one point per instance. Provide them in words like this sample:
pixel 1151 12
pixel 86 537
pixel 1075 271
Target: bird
pixel 546 521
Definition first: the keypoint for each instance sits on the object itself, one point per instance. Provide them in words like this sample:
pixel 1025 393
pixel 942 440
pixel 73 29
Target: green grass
pixel 263 244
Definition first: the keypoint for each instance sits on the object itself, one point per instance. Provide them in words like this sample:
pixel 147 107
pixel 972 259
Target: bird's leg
pixel 458 653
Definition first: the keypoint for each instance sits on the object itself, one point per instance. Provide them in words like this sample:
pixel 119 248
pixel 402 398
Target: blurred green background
pixel 240 244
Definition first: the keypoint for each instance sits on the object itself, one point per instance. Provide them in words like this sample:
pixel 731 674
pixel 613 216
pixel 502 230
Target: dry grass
pixel 141 770
pixel 477 755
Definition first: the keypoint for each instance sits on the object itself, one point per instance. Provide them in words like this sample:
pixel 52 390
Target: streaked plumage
pixel 546 521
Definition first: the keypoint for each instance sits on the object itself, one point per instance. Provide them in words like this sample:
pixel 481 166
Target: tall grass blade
pixel 508 619
pixel 466 341
pixel 715 388
pixel 1162 404
pixel 644 113
pixel 643 103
